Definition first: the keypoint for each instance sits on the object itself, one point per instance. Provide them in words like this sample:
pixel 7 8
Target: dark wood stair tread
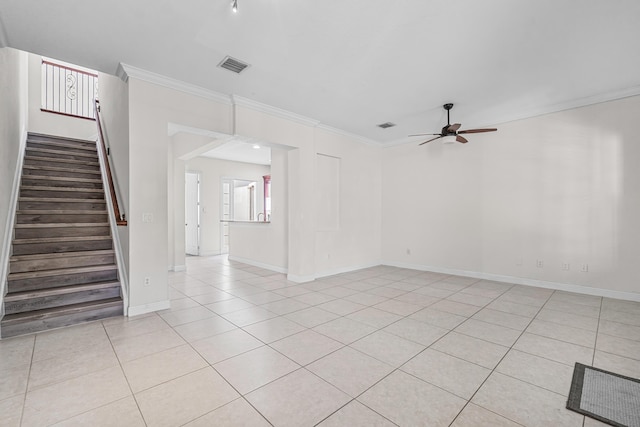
pixel 59 144
pixel 28 316
pixel 61 255
pixel 58 212
pixel 59 160
pixel 62 178
pixel 59 239
pixel 59 169
pixel 63 269
pixel 54 152
pixel 63 225
pixel 32 136
pixel 62 290
pixel 60 272
pixel 71 189
pixel 55 199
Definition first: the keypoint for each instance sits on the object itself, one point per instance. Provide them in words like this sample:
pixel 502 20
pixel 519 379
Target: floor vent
pixel 232 64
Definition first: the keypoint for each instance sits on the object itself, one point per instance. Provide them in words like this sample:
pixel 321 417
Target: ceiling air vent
pixel 233 64
pixel 386 125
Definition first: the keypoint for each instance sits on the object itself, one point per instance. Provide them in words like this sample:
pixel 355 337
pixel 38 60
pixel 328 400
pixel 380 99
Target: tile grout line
pixel 416 355
pixel 26 390
pixel 124 375
pixel 300 366
pixel 500 361
pixel 387 299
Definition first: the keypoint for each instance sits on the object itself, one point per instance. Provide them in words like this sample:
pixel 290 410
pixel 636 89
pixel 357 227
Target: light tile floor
pixel 242 346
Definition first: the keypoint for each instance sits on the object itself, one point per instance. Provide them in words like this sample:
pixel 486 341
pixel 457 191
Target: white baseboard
pixel 275 268
pixel 300 279
pixel 5 245
pixel 567 287
pixel 304 279
pixel 148 308
pixel 177 267
pixel 346 269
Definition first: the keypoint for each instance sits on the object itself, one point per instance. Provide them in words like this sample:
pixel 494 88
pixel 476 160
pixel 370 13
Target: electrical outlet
pixel 147 281
pixel 539 263
pixel 565 266
pixel 408 251
pixel 147 217
pixel 584 268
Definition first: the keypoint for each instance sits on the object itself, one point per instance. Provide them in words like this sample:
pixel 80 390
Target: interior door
pixel 192 213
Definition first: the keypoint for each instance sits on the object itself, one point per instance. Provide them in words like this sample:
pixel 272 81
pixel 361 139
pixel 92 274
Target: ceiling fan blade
pixel 432 139
pixel 424 134
pixel 454 127
pixel 462 139
pixel 478 130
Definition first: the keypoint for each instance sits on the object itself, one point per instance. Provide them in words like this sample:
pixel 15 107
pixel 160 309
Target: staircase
pixel 62 270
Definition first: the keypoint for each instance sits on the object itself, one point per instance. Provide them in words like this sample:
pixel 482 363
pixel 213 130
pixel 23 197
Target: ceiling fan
pixel 451 130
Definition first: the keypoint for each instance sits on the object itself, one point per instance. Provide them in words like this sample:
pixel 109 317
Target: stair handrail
pixel 120 218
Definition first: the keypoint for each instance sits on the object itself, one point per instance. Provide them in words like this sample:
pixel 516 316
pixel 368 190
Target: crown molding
pixel 350 135
pixel 125 72
pixel 546 109
pixel 571 104
pixel 274 111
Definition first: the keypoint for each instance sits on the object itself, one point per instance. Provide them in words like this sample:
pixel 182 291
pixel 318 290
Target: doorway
pixel 192 213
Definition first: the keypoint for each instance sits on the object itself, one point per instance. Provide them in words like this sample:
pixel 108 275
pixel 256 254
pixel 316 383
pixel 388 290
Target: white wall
pixel 13 126
pixel 355 242
pixel 114 105
pixel 560 188
pixel 151 109
pixel 211 173
pixel 263 244
pixel 315 252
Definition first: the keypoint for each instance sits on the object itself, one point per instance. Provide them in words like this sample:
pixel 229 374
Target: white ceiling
pixel 239 151
pixel 352 64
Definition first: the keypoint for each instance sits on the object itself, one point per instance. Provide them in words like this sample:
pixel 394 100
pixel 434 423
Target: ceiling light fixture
pixel 234 6
pixel 449 139
pixel 256 147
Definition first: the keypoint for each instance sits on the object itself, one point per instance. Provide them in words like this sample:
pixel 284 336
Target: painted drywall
pixel 13 125
pixel 261 244
pixel 50 123
pixel 312 252
pixel 561 189
pixel 151 109
pixel 355 242
pixel 211 173
pixel 182 146
pixel 114 105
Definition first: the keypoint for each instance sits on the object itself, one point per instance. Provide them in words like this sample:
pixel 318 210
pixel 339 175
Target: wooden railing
pixel 120 218
pixel 68 91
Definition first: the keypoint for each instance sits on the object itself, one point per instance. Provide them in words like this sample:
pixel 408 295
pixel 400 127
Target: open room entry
pixel 192 213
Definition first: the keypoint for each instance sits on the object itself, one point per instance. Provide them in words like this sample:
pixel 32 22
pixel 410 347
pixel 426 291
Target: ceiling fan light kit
pixel 449 139
pixel 450 133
